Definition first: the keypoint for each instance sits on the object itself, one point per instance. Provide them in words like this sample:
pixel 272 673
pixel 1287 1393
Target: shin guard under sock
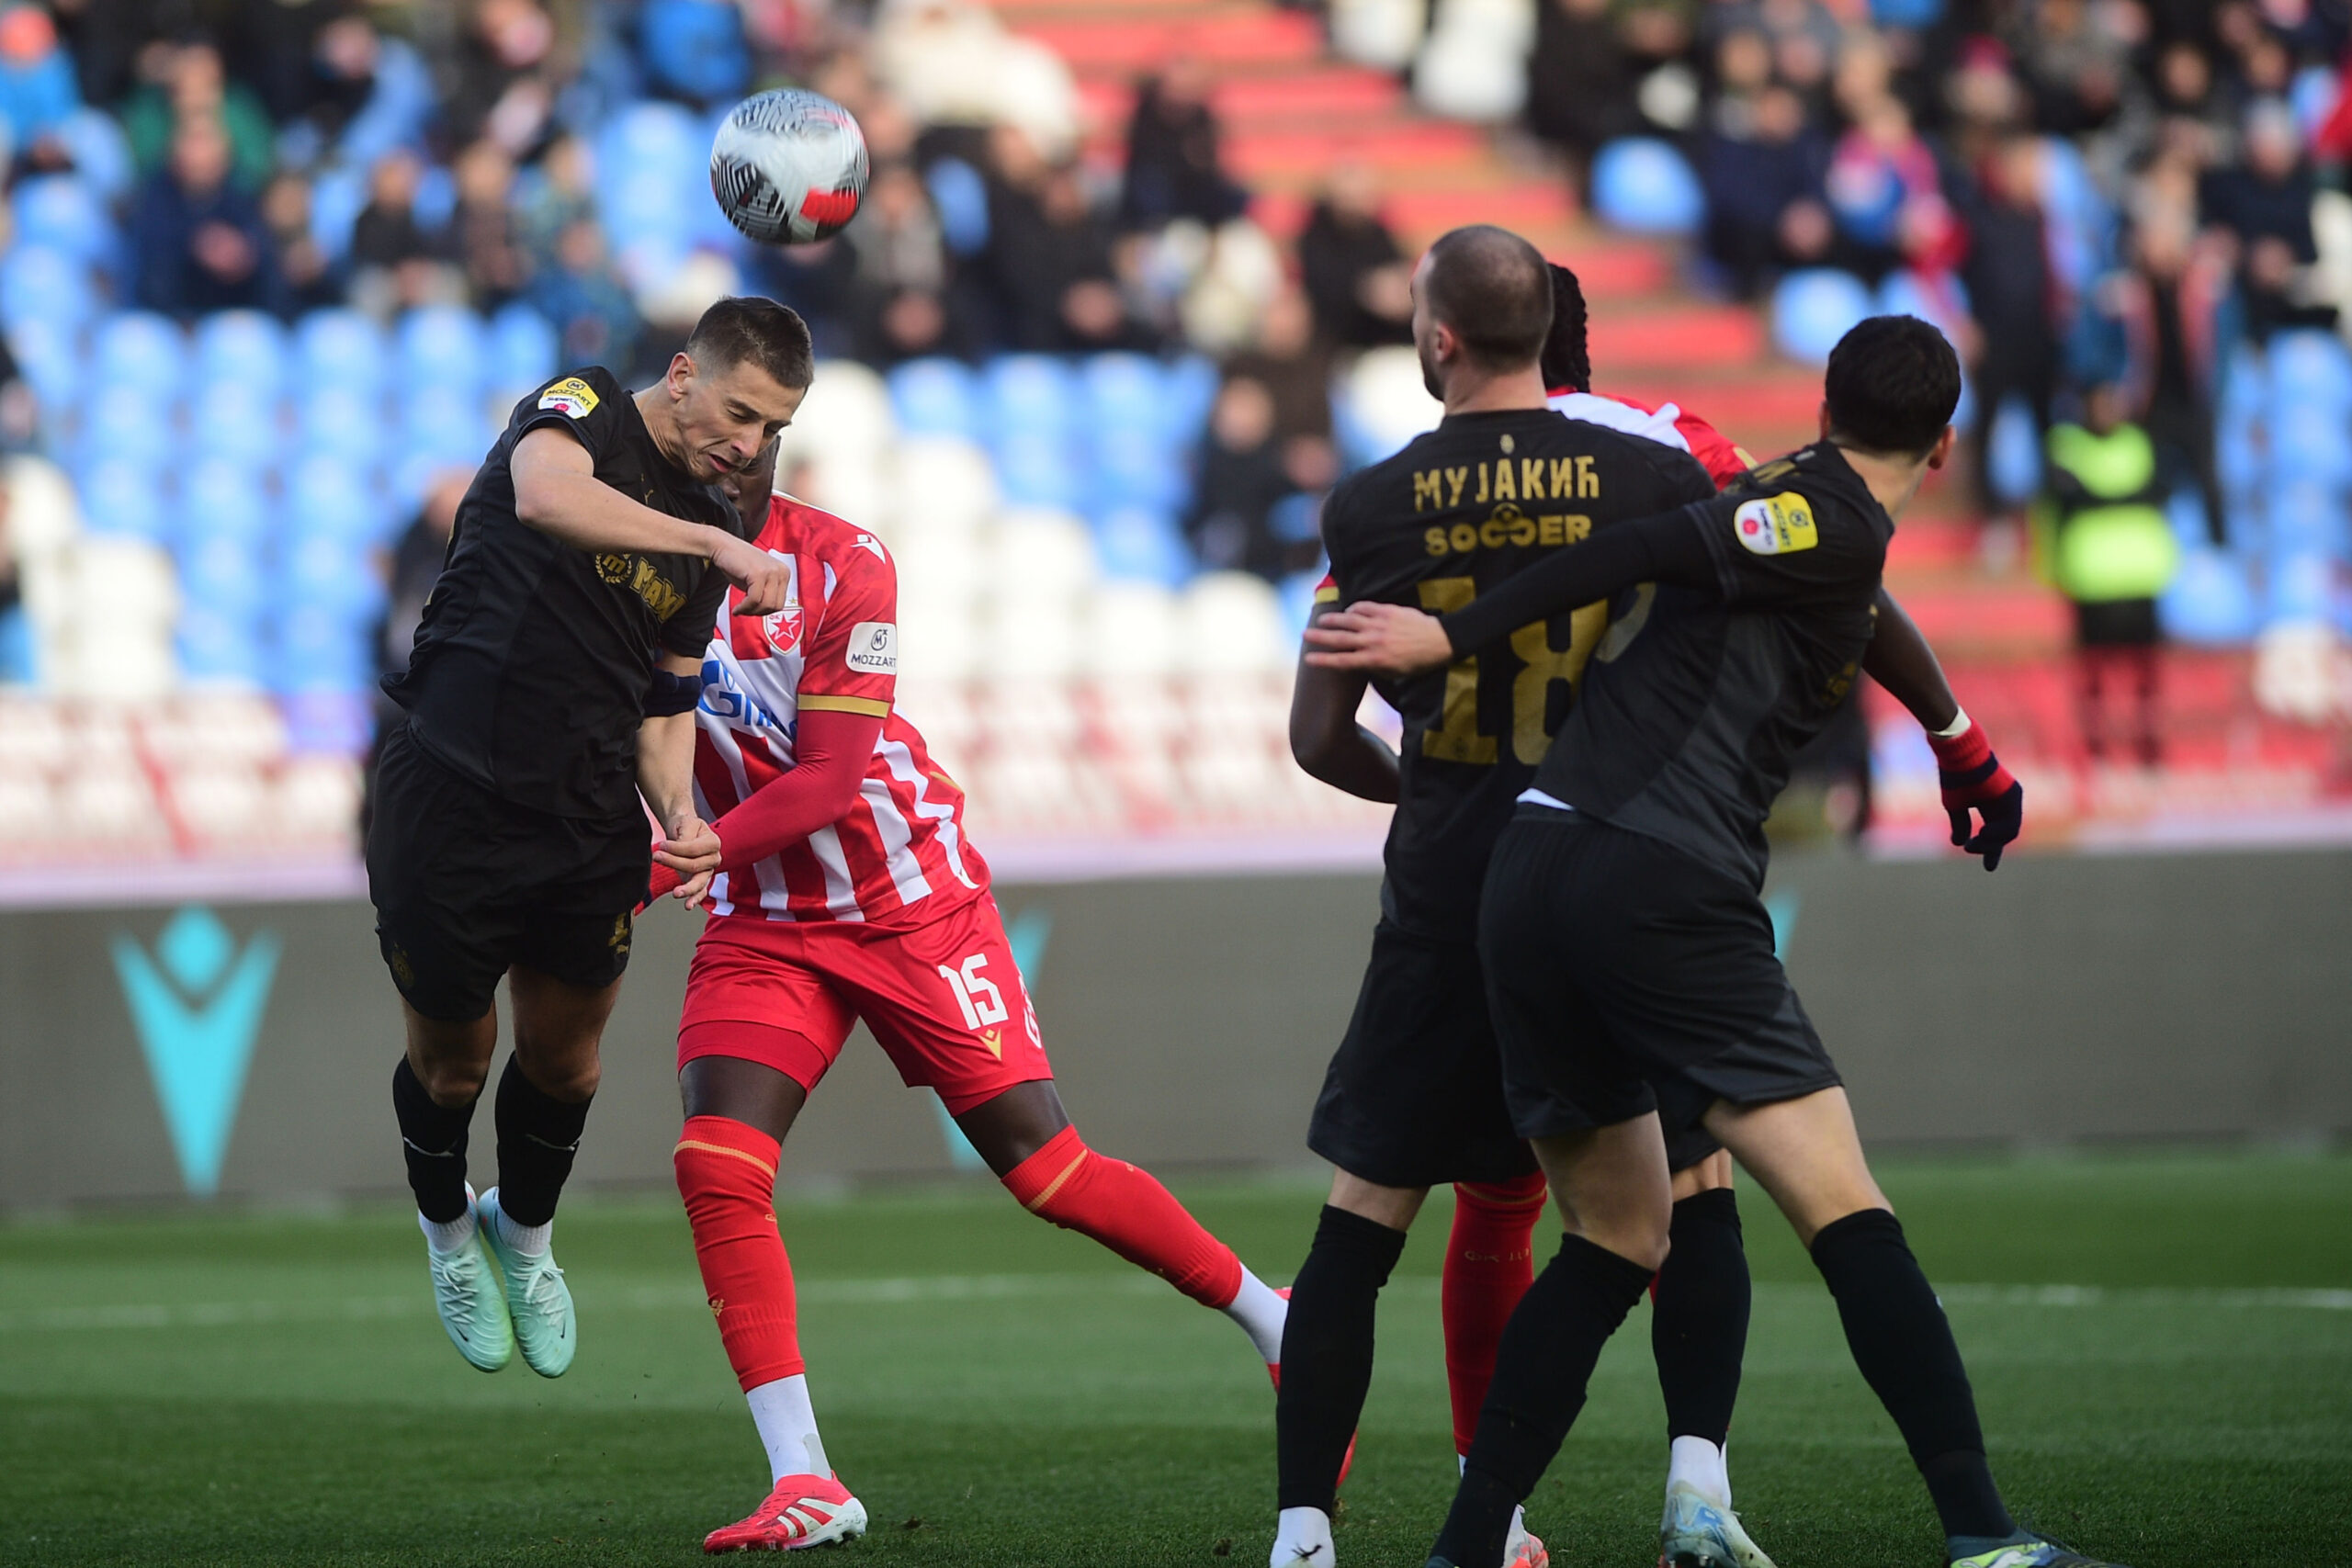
pixel 538 1138
pixel 1904 1346
pixel 1541 1377
pixel 433 1142
pixel 726 1175
pixel 1128 1211
pixel 1326 1354
pixel 1489 1263
pixel 1699 1327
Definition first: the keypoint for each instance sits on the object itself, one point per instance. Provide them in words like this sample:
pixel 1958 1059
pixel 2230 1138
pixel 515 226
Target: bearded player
pixel 1414 1095
pixel 848 891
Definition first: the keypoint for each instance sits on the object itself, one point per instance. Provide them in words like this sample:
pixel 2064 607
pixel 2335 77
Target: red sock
pixel 1128 1211
pixel 726 1175
pixel 1489 1263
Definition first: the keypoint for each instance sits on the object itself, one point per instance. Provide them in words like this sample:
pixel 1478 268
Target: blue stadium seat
pixel 935 396
pixel 139 348
pixel 49 354
pixel 2209 601
pixel 1192 388
pixel 445 423
pixel 244 346
pixel 342 419
pixel 63 211
pixel 341 345
pixel 1136 544
pixel 2302 588
pixel 443 346
pixel 2307 517
pixel 331 498
pixel 220 642
pixel 124 423
pixel 1124 392
pixel 100 153
pixel 330 572
pixel 1035 469
pixel 523 348
pixel 1297 595
pixel 1905 293
pixel 1813 309
pixel 237 420
pixel 223 571
pixel 1029 395
pixel 961 198
pixel 1642 183
pixel 318 649
pixel 124 497
pixel 2012 455
pixel 2310 441
pixel 44 282
pixel 2310 369
pixel 218 495
pixel 1136 468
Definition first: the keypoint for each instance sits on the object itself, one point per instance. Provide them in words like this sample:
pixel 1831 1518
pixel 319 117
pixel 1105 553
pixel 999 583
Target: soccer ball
pixel 788 167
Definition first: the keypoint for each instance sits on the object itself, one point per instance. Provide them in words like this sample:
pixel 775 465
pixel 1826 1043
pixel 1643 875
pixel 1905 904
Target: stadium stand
pixel 1023 348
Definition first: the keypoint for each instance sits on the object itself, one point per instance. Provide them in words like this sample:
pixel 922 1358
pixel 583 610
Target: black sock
pixel 538 1136
pixel 433 1142
pixel 1542 1369
pixel 1904 1345
pixel 1699 1328
pixel 1326 1354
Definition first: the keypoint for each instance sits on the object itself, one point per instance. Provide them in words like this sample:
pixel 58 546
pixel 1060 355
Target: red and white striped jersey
pixel 900 855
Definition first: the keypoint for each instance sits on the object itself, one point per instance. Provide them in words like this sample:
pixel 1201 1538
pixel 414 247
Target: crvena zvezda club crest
pixel 782 629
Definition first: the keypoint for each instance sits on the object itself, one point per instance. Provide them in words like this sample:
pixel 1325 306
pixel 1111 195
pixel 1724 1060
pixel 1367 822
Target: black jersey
pixel 1688 716
pixel 1482 496
pixel 530 667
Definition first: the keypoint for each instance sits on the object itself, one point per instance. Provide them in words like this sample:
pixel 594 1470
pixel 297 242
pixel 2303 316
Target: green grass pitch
pixel 2161 1347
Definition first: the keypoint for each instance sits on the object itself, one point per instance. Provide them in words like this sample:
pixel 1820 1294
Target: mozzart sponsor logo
pixel 197 1003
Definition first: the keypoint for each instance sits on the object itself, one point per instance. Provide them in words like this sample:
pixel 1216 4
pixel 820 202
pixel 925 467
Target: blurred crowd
pixel 388 155
pixel 2091 193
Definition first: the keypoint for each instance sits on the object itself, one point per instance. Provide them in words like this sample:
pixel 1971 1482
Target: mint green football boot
pixel 2032 1554
pixel 537 1300
pixel 466 1294
pixel 1697 1534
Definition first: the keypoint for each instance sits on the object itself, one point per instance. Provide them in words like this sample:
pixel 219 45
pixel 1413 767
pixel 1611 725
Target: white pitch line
pixel 923 1288
pixel 640 1298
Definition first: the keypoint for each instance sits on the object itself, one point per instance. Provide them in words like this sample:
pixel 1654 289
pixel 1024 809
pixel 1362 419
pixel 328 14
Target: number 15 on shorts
pixel 982 1003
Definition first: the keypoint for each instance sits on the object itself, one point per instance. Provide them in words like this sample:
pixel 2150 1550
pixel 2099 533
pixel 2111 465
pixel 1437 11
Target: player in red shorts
pixel 847 890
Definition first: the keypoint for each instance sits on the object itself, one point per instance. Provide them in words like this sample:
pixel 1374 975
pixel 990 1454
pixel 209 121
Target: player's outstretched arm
pixel 557 493
pixel 831 752
pixel 1329 744
pixel 1667 547
pixel 1971 776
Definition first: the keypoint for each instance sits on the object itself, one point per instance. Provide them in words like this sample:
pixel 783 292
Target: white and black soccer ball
pixel 788 167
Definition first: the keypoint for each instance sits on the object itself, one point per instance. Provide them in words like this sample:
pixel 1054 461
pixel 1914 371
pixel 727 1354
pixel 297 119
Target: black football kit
pixel 1413 1097
pixel 1628 958
pixel 507 828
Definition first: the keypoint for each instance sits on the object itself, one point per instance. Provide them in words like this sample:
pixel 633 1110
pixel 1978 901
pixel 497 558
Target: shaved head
pixel 1493 291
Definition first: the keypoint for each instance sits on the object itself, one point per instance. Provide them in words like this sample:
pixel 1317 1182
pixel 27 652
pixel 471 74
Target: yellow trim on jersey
pixel 872 707
pixel 1328 595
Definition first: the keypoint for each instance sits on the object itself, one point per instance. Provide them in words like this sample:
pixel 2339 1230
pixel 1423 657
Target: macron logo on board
pixel 198 1004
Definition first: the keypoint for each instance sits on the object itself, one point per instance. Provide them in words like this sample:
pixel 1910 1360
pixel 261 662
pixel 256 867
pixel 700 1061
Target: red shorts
pixel 945 998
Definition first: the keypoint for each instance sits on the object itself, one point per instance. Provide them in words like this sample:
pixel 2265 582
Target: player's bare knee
pixel 450 1080
pixel 1392 1206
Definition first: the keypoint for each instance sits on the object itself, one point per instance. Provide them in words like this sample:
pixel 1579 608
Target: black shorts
pixel 1626 975
pixel 466 883
pixel 1414 1096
